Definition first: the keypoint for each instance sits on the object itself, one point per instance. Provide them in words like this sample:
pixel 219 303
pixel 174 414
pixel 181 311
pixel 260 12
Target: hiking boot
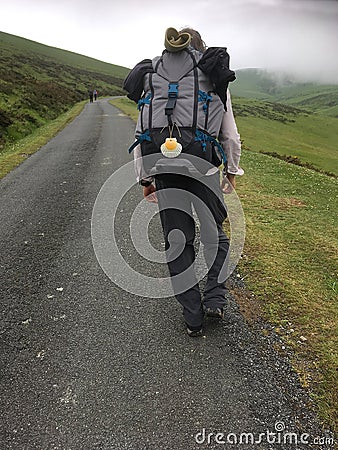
pixel 194 331
pixel 214 312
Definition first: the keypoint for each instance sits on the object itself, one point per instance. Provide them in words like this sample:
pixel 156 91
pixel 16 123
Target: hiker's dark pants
pixel 176 194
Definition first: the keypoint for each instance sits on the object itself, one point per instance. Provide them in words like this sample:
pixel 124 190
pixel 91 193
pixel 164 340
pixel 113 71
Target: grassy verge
pixel 14 154
pixel 290 265
pixel 127 106
pixel 290 259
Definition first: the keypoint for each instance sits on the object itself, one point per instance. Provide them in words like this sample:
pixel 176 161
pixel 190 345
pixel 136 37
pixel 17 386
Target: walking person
pixel 90 96
pixel 186 127
pixel 95 94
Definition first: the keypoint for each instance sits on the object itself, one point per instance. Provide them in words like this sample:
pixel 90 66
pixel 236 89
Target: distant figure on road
pixel 185 106
pixel 95 94
pixel 91 96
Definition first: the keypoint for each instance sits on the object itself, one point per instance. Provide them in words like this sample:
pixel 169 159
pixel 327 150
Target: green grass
pixel 290 255
pixel 14 154
pixel 127 106
pixel 290 264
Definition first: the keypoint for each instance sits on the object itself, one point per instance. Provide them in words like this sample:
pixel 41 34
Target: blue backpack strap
pixel 144 101
pixel 142 137
pixel 205 98
pixel 204 138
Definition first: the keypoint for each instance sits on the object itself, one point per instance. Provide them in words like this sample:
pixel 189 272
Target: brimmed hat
pixel 175 41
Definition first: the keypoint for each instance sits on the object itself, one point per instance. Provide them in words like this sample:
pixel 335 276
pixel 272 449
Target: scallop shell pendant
pixel 171 148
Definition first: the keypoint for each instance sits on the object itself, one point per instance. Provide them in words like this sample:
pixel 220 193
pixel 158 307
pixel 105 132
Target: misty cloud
pixel 300 37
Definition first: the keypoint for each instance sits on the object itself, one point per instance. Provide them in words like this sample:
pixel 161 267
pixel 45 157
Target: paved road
pixel 85 365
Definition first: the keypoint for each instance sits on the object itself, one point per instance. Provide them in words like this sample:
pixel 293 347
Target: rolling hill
pixel 283 117
pixel 38 83
pixel 283 88
pixel 298 136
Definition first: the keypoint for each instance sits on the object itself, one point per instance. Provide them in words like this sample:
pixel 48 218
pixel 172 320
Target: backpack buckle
pixel 172 97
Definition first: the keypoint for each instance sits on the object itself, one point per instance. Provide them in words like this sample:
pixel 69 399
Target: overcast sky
pixel 296 35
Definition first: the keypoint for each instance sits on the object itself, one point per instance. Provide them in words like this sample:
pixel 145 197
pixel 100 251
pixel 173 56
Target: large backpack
pixel 179 101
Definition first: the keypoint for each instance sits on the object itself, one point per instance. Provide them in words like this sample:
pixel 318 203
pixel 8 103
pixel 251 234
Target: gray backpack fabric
pixel 179 101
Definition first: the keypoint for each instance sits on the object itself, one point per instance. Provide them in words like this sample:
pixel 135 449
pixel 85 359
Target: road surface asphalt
pixel 86 365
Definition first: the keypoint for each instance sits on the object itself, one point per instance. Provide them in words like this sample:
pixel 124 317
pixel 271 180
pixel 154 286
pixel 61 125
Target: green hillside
pixel 307 138
pixel 38 83
pixel 283 88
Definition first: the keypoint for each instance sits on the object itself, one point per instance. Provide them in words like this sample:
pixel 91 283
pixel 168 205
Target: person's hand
pixel 231 179
pixel 228 183
pixel 149 193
